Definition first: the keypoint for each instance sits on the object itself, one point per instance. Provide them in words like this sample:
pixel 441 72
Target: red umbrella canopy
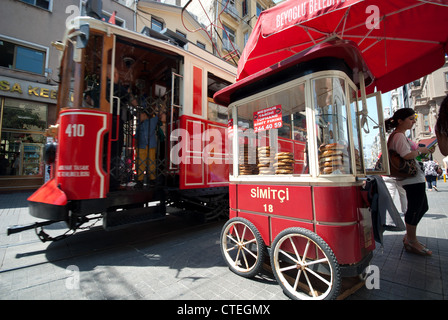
pixel 399 40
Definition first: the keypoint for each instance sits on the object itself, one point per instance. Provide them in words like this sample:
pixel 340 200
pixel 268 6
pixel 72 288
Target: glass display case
pixel 31 159
pixel 309 127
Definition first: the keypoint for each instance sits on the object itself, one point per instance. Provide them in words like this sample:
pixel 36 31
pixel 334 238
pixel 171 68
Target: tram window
pixel 215 112
pixel 66 94
pixel 81 80
pixel 272 134
pixel 92 72
pixel 332 126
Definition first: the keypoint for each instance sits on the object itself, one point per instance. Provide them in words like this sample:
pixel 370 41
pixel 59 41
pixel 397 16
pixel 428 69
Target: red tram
pixel 130 104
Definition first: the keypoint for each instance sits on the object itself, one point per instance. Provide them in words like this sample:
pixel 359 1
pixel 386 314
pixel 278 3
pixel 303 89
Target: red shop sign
pixel 269 118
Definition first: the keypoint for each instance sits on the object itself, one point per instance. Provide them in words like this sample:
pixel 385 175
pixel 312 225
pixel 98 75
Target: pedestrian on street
pixel 403 120
pixel 441 127
pixel 445 166
pixel 431 174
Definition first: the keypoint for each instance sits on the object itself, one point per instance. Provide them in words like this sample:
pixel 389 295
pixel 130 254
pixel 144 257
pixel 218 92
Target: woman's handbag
pixel 401 168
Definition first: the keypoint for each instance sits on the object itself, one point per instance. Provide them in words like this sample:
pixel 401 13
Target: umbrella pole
pixel 362 87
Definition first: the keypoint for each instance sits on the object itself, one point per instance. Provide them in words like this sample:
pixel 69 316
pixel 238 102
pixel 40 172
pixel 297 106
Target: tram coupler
pixel 17 228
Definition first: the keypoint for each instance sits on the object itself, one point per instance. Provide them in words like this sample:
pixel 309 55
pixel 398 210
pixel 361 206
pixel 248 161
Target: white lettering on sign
pixel 269 118
pixel 73 171
pixel 75 130
pixel 270 193
pixel 304 10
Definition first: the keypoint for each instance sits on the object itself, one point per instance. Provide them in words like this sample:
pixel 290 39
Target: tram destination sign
pixel 268 118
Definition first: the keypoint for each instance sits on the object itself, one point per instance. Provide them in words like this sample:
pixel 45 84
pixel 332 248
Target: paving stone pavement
pixel 408 276
pixel 187 265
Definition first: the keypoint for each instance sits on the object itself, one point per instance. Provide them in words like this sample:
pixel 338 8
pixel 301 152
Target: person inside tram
pixel 88 102
pixel 126 99
pixel 146 146
pixel 91 94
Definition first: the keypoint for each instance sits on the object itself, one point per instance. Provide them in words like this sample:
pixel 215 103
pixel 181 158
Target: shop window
pixel 272 134
pixel 24 115
pixel 15 56
pixel 21 153
pixel 22 137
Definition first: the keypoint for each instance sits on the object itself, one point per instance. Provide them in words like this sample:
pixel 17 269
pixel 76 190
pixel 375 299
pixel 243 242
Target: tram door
pixel 146 94
pixel 173 114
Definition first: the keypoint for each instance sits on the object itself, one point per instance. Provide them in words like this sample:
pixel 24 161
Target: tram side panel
pixel 202 153
pixel 80 168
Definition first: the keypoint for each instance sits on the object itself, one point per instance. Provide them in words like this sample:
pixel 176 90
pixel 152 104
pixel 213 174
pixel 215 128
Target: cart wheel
pixel 242 247
pixel 304 265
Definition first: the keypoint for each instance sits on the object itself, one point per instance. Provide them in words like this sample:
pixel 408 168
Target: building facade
pixel 225 24
pixel 425 96
pixel 167 17
pixel 29 75
pixel 238 19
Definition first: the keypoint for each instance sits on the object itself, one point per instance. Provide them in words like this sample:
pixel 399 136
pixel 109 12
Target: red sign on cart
pixel 269 118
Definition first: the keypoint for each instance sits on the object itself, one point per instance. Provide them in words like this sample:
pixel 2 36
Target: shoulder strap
pixel 390 138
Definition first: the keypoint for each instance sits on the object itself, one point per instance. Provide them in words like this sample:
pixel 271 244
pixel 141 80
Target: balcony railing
pixel 421 102
pixel 231 10
pixel 228 45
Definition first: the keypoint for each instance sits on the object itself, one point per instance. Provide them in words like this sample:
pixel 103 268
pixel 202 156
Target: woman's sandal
pixel 410 247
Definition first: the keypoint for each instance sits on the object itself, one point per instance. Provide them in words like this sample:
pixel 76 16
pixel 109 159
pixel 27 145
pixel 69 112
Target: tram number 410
pixel 75 130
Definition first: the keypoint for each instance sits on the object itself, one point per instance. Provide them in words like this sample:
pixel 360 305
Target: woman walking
pixel 403 120
pixel 431 174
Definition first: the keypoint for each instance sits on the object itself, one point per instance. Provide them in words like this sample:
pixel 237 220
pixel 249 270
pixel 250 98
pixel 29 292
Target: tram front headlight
pixel 50 152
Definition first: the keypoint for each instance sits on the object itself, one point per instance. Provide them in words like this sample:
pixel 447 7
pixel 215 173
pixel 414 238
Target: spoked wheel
pixel 242 247
pixel 304 265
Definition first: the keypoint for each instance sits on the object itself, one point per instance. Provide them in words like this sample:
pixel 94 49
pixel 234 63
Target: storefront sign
pixel 16 88
pixel 269 199
pixel 269 118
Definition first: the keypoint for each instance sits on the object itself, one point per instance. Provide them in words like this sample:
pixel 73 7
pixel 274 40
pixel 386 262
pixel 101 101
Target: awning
pixel 400 40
